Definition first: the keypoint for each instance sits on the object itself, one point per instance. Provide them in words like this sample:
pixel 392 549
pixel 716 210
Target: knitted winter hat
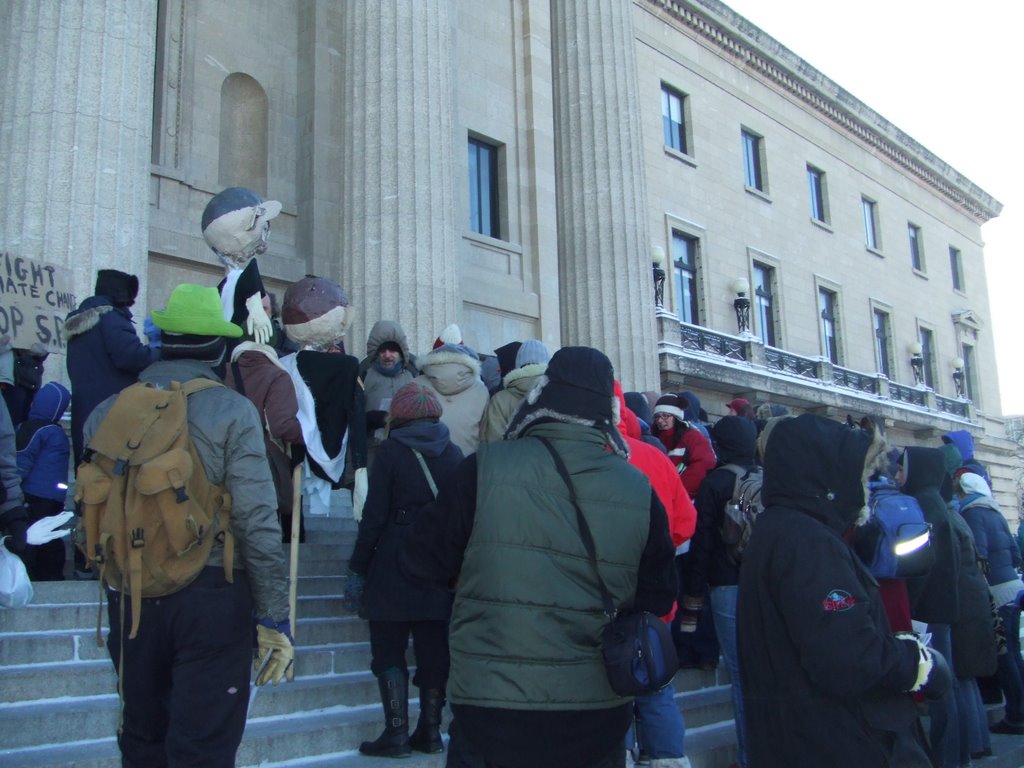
pixel 316 312
pixel 450 335
pixel 674 405
pixel 576 388
pixel 952 457
pixel 414 402
pixel 532 352
pixel 120 287
pixel 738 405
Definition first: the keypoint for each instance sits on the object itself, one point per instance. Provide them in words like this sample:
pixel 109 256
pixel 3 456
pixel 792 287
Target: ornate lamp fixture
pixel 741 303
pixel 657 259
pixel 917 362
pixel 958 375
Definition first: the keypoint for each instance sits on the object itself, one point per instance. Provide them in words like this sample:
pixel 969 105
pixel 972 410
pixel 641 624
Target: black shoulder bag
pixel 639 654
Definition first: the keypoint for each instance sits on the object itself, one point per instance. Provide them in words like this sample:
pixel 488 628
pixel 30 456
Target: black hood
pixel 820 467
pixel 735 439
pixel 120 287
pixel 922 468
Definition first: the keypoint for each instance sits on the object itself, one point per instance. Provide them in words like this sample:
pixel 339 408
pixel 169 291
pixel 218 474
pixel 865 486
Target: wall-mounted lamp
pixel 958 375
pixel 917 361
pixel 657 259
pixel 741 303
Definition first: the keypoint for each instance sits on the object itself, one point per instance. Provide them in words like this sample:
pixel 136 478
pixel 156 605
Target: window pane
pixel 882 342
pixel 914 235
pixel 752 160
pixel 483 188
pixel 816 190
pixel 870 236
pixel 684 262
pixel 927 352
pixel 764 314
pixel 826 303
pixel 672 118
pixel 956 269
pixel 968 356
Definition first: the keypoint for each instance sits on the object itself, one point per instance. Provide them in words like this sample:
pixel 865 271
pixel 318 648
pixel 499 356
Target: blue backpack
pixel 894 543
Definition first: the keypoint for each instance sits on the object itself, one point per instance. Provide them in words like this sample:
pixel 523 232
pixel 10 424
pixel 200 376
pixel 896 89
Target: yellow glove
pixel 275 654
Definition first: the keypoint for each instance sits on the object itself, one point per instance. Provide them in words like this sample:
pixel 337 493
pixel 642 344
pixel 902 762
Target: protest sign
pixel 35 296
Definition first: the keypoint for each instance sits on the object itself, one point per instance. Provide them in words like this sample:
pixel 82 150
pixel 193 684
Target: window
pixel 684 266
pixel 764 311
pixel 483 189
pixel 956 268
pixel 882 342
pixel 753 160
pixel 869 209
pixel 928 353
pixel 673 118
pixel 967 353
pixel 827 304
pixel 916 247
pixel 816 187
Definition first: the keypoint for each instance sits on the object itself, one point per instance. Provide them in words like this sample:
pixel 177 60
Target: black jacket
pixel 933 598
pixel 709 565
pixel 824 680
pixel 398 490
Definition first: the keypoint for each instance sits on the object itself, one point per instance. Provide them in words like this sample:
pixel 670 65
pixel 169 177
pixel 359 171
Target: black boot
pixel 394 695
pixel 427 736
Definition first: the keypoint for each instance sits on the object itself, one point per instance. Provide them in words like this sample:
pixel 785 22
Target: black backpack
pixel 741 510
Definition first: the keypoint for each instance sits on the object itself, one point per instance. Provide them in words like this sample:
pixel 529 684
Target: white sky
pixel 948 74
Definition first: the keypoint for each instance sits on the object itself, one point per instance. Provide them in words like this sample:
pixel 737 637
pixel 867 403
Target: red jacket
pixel 692 455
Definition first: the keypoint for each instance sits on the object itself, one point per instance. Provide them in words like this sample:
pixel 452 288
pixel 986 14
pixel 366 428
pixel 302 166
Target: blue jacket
pixel 105 355
pixel 43 448
pixel 992 538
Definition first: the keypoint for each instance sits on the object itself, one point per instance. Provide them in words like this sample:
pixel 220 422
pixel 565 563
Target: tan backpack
pixel 151 515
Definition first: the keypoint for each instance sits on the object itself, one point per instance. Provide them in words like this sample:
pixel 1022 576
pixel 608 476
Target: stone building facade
pixel 516 166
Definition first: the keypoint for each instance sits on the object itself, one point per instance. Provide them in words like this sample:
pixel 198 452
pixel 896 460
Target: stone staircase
pixel 59 706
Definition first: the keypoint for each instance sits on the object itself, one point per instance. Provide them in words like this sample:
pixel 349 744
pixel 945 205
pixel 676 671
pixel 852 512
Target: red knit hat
pixel 414 402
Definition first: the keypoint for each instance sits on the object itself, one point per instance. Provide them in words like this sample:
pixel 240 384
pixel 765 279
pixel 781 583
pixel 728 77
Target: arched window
pixel 243 133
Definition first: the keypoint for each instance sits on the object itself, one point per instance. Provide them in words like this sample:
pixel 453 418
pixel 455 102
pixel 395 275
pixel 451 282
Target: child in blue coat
pixel 43 455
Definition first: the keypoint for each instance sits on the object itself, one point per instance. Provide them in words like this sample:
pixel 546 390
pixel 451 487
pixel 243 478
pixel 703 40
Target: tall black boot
pixel 394 695
pixel 427 736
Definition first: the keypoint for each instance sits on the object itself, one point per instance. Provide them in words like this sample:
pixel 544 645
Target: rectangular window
pixel 969 383
pixel 764 309
pixel 684 266
pixel 956 268
pixel 882 341
pixel 816 187
pixel 827 304
pixel 753 160
pixel 483 189
pixel 928 353
pixel 869 209
pixel 673 118
pixel 916 247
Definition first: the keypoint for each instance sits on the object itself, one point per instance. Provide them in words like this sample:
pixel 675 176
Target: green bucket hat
pixel 195 309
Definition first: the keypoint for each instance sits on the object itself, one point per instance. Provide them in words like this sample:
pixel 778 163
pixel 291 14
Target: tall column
pixel 607 292
pixel 397 212
pixel 76 106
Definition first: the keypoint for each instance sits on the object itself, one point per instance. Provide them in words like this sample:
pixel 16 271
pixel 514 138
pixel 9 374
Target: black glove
pixel 934 678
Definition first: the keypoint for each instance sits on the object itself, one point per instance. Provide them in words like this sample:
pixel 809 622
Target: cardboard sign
pixel 34 299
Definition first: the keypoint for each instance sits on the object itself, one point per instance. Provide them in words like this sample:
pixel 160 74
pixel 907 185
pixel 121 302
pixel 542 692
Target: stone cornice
pixel 755 50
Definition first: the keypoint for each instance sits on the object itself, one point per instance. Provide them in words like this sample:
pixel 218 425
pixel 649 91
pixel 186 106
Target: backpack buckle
pixel 138 538
pixel 119 466
pixel 180 496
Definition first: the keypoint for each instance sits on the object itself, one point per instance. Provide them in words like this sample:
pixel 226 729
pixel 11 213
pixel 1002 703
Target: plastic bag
pixel 15 586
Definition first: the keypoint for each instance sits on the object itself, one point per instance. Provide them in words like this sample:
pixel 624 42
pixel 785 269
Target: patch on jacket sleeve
pixel 838 600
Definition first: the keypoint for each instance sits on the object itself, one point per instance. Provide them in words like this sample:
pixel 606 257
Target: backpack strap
pixel 426 472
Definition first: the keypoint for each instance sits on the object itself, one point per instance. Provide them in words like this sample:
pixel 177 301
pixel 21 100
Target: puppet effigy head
pixel 236 224
pixel 316 312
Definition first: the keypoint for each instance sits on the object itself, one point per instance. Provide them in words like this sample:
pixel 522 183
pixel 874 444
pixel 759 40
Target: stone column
pixel 607 290
pixel 76 110
pixel 398 250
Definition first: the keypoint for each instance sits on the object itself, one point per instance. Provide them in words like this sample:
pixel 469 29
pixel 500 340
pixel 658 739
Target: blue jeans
pixel 1010 670
pixel 723 609
pixel 944 727
pixel 974 735
pixel 659 724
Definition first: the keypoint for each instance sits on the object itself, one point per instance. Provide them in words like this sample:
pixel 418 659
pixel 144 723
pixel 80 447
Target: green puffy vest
pixel 527 621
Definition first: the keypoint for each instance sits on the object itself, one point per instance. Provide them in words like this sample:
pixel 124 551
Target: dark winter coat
pixel 43 448
pixel 973 634
pixel 824 679
pixel 996 546
pixel 104 355
pixel 398 489
pixel 934 597
pixel 709 564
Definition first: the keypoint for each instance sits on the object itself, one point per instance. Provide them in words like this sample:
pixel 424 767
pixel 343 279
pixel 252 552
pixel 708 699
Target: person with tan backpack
pixel 180 523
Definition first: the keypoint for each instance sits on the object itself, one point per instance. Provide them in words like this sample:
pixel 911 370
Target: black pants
pixel 389 641
pixel 462 754
pixel 44 562
pixel 185 676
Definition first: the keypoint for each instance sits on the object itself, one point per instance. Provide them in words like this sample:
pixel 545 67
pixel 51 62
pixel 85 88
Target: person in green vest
pixel 528 687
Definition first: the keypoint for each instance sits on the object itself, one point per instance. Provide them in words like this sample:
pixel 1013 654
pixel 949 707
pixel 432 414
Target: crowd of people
pixel 468 540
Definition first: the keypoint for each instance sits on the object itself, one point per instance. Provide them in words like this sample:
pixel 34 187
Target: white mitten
pixel 359 491
pixel 258 325
pixel 44 529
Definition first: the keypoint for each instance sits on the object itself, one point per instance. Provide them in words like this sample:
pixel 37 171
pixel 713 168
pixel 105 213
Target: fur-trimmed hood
pixel 820 467
pixel 525 377
pixel 451 368
pixel 88 315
